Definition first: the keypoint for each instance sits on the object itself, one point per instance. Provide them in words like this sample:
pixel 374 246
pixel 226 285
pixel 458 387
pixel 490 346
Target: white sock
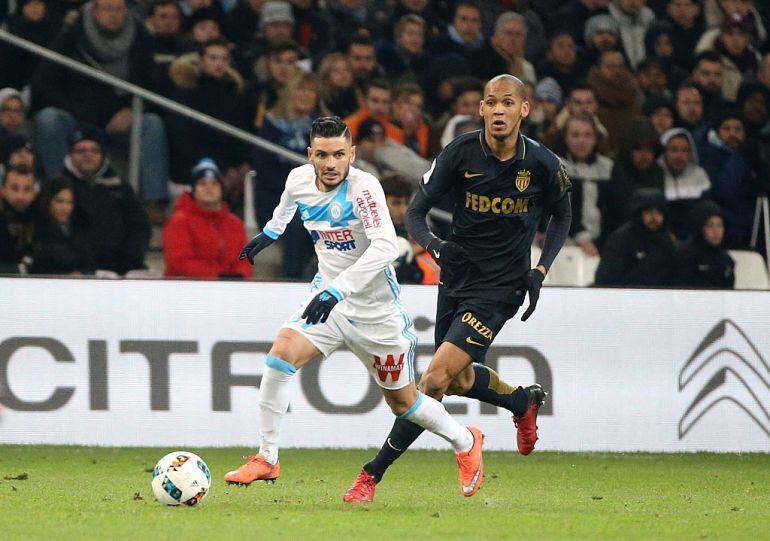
pixel 430 414
pixel 273 404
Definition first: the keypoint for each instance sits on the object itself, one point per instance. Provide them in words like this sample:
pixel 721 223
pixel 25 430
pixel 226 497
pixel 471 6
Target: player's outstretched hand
pixel 446 252
pixel 533 281
pixel 254 246
pixel 320 307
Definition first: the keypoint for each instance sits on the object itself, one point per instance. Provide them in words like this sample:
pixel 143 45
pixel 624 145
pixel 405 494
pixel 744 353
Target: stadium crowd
pixel 659 109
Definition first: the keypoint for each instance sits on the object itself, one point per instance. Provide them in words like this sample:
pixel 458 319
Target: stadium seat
pixel 571 267
pixel 750 270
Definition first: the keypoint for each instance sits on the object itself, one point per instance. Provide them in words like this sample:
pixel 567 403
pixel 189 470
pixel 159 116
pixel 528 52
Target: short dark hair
pixel 213 42
pixel 281 47
pixel 379 83
pixel 582 84
pixel 160 3
pixel 467 3
pixel 395 185
pixel 361 37
pixel 708 56
pixel 22 170
pixel 329 126
pixel 461 85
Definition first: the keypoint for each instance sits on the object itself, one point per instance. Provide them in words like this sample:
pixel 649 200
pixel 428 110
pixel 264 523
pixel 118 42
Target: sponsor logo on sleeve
pixel 368 210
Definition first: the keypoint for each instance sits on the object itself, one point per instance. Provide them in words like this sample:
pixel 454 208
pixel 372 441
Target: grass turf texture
pixel 86 493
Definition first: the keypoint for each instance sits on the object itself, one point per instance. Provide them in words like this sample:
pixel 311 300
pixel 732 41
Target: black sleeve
pixel 139 230
pixel 557 231
pixel 436 183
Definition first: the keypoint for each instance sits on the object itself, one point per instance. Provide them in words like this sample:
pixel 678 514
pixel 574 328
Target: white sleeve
pixel 370 207
pixel 282 215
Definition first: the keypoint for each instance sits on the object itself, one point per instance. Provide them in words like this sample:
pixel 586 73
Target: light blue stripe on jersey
pixel 407 332
pixel 272 234
pixel 333 291
pixel 338 212
pixel 279 364
pixel 317 281
pixel 414 407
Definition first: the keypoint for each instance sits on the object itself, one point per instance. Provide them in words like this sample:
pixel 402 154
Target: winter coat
pixel 733 70
pixel 733 186
pixel 225 99
pixel 634 256
pixel 590 182
pixel 63 249
pixel 685 189
pixel 18 236
pixel 632 30
pixel 87 100
pixel 16 65
pixel 701 264
pixel 399 65
pixel 119 227
pixel 202 243
pixel 617 101
pixel 714 15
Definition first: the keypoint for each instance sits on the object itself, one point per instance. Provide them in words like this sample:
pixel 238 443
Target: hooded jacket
pixel 202 243
pixel 701 264
pixel 683 190
pixel 732 74
pixel 634 256
pixel 119 226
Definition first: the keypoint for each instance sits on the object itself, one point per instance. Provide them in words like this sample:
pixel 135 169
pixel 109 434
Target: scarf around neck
pixel 110 51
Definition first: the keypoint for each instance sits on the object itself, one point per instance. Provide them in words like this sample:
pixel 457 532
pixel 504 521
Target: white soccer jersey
pixel 353 237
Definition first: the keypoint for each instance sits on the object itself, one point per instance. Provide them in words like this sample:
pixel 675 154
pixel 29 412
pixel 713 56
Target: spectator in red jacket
pixel 202 238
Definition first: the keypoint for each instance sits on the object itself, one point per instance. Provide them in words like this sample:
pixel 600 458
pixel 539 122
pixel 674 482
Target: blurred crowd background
pixel 659 109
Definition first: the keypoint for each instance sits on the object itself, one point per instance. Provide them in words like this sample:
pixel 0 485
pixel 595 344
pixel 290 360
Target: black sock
pixel 402 435
pixel 489 388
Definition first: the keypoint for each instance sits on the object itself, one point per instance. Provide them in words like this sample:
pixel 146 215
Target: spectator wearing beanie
pixel 703 261
pixel 547 103
pixel 202 238
pixel 601 34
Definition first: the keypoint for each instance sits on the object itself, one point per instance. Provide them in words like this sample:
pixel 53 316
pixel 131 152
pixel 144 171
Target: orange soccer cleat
pixel 471 465
pixel 255 469
pixel 362 489
pixel 526 425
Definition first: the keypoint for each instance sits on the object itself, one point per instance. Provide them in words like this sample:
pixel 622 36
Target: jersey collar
pixel 521 147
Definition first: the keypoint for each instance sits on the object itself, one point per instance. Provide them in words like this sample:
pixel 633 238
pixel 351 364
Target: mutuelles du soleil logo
pixel 726 366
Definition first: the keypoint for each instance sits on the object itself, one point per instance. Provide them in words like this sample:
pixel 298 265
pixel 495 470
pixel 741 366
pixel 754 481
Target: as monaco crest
pixel 522 179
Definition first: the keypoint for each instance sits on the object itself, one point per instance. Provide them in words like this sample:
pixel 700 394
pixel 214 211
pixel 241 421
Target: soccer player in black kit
pixel 503 184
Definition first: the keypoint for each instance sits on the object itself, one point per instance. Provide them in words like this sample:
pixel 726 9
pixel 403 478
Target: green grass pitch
pixel 49 492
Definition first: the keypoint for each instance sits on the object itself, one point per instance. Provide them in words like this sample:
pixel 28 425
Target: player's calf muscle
pixel 400 400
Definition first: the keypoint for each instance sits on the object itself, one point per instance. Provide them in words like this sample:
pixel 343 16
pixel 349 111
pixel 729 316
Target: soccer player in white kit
pixel 355 302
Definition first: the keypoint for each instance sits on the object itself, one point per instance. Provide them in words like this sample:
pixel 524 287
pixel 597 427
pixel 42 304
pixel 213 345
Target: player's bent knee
pixel 435 383
pixel 400 400
pixel 292 347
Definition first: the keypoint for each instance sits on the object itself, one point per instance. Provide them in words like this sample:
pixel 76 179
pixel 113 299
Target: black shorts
pixel 471 324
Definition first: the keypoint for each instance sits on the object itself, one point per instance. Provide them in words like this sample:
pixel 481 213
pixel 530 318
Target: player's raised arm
pixel 282 215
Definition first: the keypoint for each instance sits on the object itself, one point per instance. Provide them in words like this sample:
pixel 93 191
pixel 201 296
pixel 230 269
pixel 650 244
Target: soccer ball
pixel 181 478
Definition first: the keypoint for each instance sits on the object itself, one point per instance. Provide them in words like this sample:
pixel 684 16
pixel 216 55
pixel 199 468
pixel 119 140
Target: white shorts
pixel 386 348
